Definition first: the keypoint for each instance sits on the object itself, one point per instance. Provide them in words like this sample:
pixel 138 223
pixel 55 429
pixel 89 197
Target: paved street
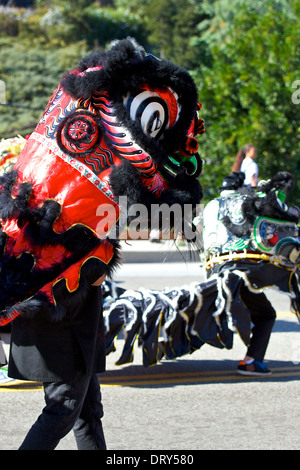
pixel 194 403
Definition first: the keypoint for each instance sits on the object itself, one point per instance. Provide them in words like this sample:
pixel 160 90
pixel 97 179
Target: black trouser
pixel 75 404
pixel 263 318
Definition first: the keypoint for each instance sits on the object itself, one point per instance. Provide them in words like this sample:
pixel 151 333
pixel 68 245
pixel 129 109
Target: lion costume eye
pixel 154 111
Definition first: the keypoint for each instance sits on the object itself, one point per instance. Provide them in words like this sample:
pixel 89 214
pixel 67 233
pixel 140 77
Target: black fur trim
pixel 239 230
pixel 13 206
pixel 29 308
pixel 125 180
pixel 256 205
pixel 283 180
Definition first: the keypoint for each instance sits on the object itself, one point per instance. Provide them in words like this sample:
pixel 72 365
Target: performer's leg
pixel 88 429
pixel 263 317
pixel 64 401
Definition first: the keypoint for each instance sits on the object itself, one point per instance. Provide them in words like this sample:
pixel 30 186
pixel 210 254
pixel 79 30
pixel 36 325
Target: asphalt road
pixel 194 403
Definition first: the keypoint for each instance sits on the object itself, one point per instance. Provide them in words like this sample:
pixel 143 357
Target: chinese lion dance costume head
pixel 251 242
pixel 123 123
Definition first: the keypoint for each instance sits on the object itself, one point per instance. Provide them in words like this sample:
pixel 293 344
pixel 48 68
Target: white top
pixel 250 168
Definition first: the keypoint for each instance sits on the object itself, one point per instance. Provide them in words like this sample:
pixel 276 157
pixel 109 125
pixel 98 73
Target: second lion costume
pixel 251 242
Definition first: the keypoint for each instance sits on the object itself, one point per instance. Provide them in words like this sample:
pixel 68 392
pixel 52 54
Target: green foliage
pixel 61 23
pixel 37 46
pixel 244 56
pixel 170 25
pixel 30 77
pixel 66 23
pixel 247 93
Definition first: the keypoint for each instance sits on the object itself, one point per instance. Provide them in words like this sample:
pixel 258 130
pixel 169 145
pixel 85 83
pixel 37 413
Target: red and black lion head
pixel 122 123
pixel 136 114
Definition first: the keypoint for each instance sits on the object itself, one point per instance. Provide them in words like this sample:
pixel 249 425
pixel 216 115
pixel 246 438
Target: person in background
pixel 245 162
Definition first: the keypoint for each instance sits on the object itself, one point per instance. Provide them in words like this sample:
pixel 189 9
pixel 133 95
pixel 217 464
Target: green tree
pixel 54 24
pixel 170 26
pixel 37 46
pixel 186 18
pixel 160 23
pixel 30 76
pixel 247 92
